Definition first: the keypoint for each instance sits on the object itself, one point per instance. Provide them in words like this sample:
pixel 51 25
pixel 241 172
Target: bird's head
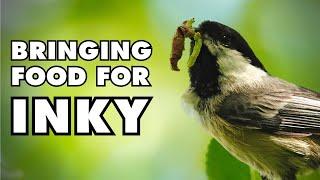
pixel 223 51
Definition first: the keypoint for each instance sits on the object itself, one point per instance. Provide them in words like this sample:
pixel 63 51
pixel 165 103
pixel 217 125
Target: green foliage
pixel 254 174
pixel 222 165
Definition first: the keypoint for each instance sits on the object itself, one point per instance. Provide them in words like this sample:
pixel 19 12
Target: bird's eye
pixel 226 37
pixel 226 40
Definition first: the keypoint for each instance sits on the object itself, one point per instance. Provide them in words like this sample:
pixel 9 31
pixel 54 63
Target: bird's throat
pixel 204 74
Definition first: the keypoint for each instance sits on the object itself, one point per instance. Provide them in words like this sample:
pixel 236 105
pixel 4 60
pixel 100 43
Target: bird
pixel 264 121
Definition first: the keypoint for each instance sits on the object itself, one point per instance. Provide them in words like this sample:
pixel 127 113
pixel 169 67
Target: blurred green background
pixel 284 35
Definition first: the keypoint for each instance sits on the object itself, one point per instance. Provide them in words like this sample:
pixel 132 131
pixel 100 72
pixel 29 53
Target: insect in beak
pixel 196 49
pixel 185 31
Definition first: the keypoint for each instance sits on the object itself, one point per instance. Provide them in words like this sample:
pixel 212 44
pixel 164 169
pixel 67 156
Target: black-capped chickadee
pixel 265 122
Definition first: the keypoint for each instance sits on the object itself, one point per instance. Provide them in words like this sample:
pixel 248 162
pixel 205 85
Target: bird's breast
pixel 248 145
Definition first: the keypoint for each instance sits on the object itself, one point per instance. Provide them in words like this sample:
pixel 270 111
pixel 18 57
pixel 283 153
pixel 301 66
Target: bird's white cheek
pixel 234 67
pixel 237 71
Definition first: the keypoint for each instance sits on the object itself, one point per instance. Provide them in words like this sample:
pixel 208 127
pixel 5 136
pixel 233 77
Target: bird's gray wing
pixel 286 110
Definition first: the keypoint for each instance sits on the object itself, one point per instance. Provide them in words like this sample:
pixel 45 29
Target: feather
pixel 286 110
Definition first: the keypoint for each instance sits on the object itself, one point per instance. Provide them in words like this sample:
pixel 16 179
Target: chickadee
pixel 265 122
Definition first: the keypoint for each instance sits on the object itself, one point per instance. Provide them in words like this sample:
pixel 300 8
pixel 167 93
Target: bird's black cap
pixel 229 38
pixel 204 74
